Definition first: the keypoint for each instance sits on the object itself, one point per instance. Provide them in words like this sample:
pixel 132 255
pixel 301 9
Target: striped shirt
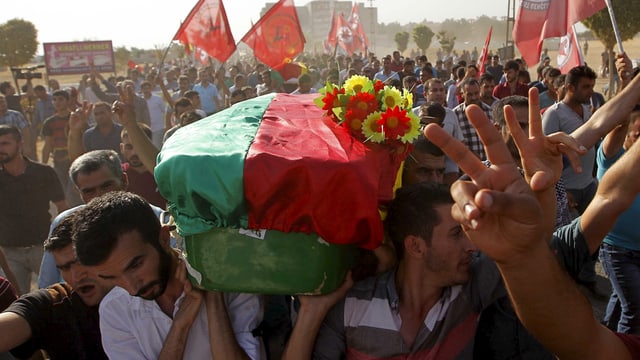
pixel 471 138
pixel 366 324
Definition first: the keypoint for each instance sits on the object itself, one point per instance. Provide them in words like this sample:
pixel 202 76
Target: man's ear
pixel 414 246
pixel 165 236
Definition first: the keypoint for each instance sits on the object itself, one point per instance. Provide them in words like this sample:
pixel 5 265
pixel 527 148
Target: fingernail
pixel 582 148
pixel 468 209
pixel 579 169
pixel 474 224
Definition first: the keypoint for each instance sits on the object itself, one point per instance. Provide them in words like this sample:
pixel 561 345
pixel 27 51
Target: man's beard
pixel 7 158
pixel 164 272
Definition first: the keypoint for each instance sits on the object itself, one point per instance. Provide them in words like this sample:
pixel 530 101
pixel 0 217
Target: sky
pixel 151 24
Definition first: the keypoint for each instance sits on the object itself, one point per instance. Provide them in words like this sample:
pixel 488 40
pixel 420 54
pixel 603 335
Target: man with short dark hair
pixel 471 95
pixel 105 134
pixel 511 86
pixel 154 311
pixel 27 188
pixel 62 319
pixel 487 83
pixel 424 164
pixel 15 118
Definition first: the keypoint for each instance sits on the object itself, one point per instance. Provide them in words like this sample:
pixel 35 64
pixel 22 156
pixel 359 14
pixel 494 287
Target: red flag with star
pixel 207 28
pixel 277 37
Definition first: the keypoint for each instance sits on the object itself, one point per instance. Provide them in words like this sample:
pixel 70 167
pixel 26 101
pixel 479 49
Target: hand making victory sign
pixel 498 209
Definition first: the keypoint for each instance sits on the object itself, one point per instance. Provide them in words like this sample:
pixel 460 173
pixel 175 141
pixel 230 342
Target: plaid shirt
pixel 13 118
pixel 471 138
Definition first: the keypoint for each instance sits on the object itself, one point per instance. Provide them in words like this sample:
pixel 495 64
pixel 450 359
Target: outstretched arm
pixel 125 109
pixel 503 218
pixel 614 112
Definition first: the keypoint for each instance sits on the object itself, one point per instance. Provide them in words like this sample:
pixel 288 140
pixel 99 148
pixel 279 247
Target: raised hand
pixel 497 208
pixel 125 107
pixel 193 298
pixel 542 155
pixel 78 118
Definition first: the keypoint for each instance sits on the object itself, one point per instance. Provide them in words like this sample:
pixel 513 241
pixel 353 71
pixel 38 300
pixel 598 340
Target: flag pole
pixel 616 30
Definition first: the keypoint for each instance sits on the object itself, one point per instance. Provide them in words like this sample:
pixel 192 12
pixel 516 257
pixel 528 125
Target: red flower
pixel 362 104
pixel 395 123
pixel 378 85
pixel 331 100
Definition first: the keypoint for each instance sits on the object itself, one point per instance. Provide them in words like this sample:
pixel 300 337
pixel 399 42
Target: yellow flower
pixel 371 129
pixel 408 99
pixel 391 98
pixel 414 130
pixel 358 83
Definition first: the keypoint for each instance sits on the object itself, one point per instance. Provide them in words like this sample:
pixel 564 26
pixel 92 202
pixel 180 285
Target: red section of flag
pixel 345 36
pixel 131 64
pixel 277 37
pixel 332 39
pixel 569 55
pixel 485 52
pixel 305 173
pixel 360 37
pixel 207 28
pixel 541 19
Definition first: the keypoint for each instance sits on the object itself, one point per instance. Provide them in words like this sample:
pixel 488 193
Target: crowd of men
pixel 513 191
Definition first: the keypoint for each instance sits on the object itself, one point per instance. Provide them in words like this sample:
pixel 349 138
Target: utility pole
pixel 373 25
pixel 509 50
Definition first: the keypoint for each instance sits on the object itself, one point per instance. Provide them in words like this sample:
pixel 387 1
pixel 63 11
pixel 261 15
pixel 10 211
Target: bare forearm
pixel 15 331
pixel 176 341
pixel 46 151
pixel 555 311
pixel 300 345
pixel 610 115
pixel 147 152
pixel 222 338
pixel 74 145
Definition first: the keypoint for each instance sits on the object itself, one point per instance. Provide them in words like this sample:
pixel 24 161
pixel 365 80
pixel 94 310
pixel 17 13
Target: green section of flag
pixel 200 168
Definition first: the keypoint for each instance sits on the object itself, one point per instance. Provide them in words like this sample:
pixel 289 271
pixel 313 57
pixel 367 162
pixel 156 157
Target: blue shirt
pixel 625 232
pixel 207 95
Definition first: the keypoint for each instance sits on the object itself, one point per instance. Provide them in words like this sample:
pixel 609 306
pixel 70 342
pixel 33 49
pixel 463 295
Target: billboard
pixel 76 57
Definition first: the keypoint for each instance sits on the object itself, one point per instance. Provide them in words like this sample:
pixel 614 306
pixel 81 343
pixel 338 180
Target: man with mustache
pixel 62 319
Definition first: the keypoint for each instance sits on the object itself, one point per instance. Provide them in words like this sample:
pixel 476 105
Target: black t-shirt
pixel 61 324
pixel 24 209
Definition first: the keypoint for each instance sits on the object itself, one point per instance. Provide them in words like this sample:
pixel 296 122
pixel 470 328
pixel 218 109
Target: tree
pixel 122 56
pixel 447 41
pixel 402 40
pixel 18 42
pixel 422 36
pixel 600 24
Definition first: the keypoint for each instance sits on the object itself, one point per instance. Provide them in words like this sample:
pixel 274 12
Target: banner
pixel 76 57
pixel 207 28
pixel 277 37
pixel 569 54
pixel 541 19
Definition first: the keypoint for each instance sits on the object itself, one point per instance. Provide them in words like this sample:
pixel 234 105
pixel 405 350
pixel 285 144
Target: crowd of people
pixel 507 200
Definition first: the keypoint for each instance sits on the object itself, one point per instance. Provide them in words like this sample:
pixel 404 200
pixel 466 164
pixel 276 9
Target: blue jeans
pixel 623 269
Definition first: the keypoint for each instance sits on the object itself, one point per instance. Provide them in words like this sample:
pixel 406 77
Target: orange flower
pixel 395 123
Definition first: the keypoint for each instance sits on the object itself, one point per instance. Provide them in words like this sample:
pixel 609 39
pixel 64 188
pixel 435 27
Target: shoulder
pixel 116 302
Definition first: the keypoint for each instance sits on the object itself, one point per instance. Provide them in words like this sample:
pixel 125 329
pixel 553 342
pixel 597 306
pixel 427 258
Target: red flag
pixel 207 28
pixel 541 19
pixel 569 55
pixel 345 36
pixel 332 39
pixel 485 52
pixel 360 37
pixel 277 37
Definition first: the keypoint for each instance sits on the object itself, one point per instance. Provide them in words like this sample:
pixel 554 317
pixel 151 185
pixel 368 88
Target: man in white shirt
pixel 154 312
